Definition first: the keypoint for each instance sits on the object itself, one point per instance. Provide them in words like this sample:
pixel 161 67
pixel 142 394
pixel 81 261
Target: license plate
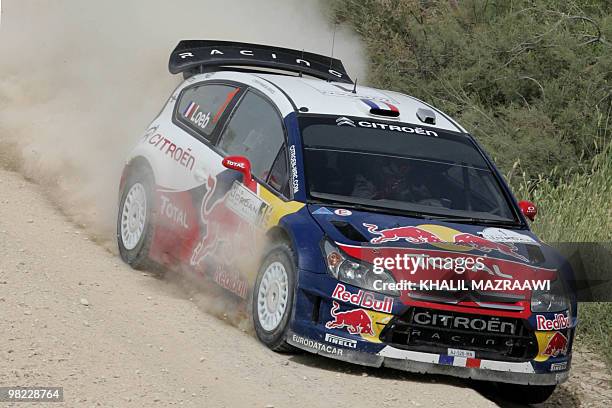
pixel 461 353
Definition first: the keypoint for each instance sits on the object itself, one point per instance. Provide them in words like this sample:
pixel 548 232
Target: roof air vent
pixel 426 116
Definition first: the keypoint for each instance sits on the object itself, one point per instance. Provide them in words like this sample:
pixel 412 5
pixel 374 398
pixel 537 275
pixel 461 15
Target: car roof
pixel 336 98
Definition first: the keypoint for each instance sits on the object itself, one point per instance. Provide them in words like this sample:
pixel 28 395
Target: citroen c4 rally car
pixel 261 141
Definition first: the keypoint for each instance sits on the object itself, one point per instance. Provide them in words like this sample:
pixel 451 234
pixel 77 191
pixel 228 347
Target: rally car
pixel 271 173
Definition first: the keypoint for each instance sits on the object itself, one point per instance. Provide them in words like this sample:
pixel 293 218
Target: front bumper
pixel 309 332
pixel 423 363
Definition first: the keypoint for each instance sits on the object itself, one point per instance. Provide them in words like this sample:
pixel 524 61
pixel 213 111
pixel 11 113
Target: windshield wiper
pixel 470 220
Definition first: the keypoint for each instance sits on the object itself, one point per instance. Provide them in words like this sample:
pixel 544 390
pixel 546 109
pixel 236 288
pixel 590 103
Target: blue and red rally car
pixel 360 224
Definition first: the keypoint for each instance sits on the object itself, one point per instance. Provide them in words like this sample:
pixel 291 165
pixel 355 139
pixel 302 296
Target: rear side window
pixel 279 175
pixel 255 130
pixel 201 107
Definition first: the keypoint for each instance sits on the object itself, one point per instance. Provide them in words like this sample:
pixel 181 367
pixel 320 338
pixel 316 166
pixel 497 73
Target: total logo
pixel 173 212
pixel 235 164
pixel 561 321
pixel 363 299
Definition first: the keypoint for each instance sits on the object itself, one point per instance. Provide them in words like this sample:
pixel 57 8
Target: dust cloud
pixel 81 80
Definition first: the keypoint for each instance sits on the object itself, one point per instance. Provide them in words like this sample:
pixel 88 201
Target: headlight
pixel 355 272
pixel 553 300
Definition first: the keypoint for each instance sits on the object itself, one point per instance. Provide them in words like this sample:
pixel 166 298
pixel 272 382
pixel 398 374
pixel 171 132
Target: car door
pixel 231 212
pixel 186 139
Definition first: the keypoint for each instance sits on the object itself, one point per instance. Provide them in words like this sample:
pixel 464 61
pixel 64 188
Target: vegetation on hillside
pixel 578 209
pixel 530 79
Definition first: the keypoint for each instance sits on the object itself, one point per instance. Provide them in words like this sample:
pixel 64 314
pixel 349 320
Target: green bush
pixel 578 210
pixel 530 79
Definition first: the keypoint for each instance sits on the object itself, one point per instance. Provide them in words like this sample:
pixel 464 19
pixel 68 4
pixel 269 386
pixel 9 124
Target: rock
pixel 86 323
pixel 202 359
pixel 84 302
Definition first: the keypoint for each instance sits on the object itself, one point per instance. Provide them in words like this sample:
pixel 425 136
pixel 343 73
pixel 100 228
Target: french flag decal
pixel 459 361
pixel 191 108
pixel 383 106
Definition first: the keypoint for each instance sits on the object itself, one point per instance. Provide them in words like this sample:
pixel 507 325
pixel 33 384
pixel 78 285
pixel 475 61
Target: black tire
pixel 138 256
pixel 526 394
pixel 276 339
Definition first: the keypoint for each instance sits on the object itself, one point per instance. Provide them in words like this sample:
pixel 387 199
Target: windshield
pixel 400 167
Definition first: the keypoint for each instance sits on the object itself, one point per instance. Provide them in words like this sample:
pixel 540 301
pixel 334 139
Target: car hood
pixel 387 230
pixel 510 255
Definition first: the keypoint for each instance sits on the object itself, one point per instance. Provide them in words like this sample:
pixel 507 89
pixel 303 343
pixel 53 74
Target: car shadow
pixel 561 398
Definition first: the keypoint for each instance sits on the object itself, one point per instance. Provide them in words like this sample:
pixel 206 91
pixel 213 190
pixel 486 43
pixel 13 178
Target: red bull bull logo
pixel 356 321
pixel 413 235
pixel 222 229
pixel 417 235
pixel 557 345
pixel 484 245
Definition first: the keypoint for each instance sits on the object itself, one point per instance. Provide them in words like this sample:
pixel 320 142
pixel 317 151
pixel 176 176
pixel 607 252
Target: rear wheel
pixel 526 394
pixel 134 220
pixel 273 295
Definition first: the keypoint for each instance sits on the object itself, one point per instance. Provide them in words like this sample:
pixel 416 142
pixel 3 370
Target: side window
pixel 279 175
pixel 255 130
pixel 201 107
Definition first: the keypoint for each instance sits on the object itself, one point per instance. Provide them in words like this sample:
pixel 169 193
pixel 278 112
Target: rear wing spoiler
pixel 197 56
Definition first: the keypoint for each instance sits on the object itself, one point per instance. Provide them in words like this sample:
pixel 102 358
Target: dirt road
pixel 73 315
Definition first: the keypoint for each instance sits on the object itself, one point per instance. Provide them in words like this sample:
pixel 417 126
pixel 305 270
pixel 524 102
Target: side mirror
pixel 528 209
pixel 243 165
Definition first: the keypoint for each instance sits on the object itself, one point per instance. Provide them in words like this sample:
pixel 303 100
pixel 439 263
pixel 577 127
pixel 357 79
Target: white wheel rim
pixel 272 296
pixel 133 216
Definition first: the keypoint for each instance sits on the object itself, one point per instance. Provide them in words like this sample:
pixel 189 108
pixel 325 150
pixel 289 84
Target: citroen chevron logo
pixel 344 121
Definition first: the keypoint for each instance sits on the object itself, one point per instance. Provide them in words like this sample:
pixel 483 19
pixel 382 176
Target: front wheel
pixel 273 295
pixel 526 394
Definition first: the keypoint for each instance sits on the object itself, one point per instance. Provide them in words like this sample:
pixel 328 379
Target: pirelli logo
pixel 340 341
